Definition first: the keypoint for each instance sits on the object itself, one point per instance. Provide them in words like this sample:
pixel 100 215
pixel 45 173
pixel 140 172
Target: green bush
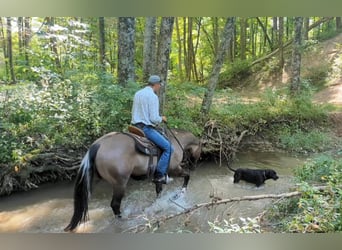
pixel 318 209
pixel 246 225
pixel 298 140
pixel 67 114
pixel 235 73
pixel 276 109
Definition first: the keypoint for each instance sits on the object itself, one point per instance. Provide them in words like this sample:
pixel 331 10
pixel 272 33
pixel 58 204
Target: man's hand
pixel 164 119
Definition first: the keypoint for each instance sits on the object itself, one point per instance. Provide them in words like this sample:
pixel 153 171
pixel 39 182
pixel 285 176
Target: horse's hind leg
pixel 118 194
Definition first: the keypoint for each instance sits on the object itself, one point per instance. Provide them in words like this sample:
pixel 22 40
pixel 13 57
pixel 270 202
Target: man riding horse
pixel 114 156
pixel 145 116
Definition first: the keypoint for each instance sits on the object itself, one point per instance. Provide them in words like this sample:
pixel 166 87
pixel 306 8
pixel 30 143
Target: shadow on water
pixel 49 208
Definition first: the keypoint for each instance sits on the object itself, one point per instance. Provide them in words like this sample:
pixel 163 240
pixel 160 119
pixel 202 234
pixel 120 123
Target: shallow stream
pixel 49 208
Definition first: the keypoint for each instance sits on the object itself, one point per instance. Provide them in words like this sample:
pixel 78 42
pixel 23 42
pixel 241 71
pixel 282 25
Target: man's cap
pixel 154 79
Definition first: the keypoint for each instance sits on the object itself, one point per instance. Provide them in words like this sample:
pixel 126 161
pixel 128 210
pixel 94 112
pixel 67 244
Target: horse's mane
pixel 182 132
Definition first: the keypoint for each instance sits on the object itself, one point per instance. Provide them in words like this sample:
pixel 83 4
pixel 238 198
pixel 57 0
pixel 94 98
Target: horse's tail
pixel 83 187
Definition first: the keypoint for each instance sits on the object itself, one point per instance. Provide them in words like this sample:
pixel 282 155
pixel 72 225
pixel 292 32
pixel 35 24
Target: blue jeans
pixel 165 145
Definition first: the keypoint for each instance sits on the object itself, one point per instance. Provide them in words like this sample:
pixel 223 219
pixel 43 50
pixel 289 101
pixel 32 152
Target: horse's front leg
pixel 186 180
pixel 179 171
pixel 159 188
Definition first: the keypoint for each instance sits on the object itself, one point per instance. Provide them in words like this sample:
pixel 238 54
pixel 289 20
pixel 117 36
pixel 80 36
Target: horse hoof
pixel 118 216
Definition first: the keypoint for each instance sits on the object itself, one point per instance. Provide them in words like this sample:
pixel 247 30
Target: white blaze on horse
pixel 115 158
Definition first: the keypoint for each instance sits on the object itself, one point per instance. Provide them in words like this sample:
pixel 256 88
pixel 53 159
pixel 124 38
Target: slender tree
pixel 281 43
pixel 27 37
pixel 4 44
pixel 20 22
pixel 227 35
pixel 150 48
pixel 10 50
pixel 126 50
pixel 306 22
pixel 180 49
pixel 338 24
pixel 102 43
pixel 243 37
pixel 296 56
pixel 53 43
pixel 163 54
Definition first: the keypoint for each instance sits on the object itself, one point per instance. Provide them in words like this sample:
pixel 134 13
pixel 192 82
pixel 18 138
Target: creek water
pixel 49 208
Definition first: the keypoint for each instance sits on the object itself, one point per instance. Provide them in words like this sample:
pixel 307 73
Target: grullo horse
pixel 115 158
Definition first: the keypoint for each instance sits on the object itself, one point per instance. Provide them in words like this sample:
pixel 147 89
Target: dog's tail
pixel 231 168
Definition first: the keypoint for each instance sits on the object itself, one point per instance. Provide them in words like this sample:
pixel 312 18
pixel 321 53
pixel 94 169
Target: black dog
pixel 256 176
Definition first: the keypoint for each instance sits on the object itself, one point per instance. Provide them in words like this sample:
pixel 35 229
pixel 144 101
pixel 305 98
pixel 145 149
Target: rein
pixel 184 153
pixel 174 137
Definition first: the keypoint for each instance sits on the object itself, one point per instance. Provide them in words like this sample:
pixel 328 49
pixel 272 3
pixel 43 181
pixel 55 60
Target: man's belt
pixel 139 125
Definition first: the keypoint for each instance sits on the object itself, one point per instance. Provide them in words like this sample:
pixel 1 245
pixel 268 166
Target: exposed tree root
pixel 37 169
pixel 222 142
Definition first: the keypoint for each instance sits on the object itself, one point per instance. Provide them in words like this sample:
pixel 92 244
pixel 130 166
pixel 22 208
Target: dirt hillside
pixel 332 52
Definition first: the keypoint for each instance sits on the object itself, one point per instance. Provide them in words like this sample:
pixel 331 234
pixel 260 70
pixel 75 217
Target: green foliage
pixel 235 73
pixel 317 210
pixel 182 107
pixel 274 107
pixel 61 115
pixel 320 169
pixel 298 140
pixel 247 225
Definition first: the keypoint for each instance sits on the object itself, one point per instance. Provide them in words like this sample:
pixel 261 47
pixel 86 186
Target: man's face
pixel 156 87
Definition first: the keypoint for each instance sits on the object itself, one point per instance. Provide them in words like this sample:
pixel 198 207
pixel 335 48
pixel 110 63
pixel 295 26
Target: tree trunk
pixel 150 37
pixel 126 47
pixel 9 49
pixel 4 44
pixel 199 25
pixel 216 38
pixel 243 38
pixel 180 49
pixel 53 41
pixel 227 36
pixel 281 44
pixel 338 24
pixel 185 50
pixel 275 30
pixel 253 39
pixel 163 54
pixel 102 44
pixel 264 29
pixel 20 34
pixel 27 38
pixel 306 28
pixel 296 57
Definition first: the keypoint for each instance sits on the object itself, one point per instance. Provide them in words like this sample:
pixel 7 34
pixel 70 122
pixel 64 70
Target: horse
pixel 114 158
